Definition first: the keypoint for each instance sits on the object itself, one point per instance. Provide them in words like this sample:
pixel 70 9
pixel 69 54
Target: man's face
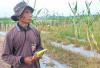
pixel 26 16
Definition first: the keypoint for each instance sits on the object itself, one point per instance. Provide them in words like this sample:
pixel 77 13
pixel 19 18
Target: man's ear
pixel 18 17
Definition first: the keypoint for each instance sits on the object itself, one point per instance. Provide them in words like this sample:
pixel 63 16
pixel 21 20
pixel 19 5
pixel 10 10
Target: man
pixel 23 41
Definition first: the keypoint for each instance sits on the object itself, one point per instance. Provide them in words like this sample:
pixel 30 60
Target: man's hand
pixel 35 58
pixel 28 61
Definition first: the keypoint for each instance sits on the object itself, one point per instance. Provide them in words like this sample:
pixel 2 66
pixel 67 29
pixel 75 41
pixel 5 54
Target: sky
pixel 59 7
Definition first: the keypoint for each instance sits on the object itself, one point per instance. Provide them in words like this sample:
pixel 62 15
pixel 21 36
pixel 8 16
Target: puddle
pixel 47 60
pixel 79 50
pixel 81 40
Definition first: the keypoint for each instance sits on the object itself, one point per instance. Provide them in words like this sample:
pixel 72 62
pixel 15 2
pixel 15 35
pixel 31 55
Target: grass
pixel 66 57
pixel 71 59
pixel 6 25
pixel 60 34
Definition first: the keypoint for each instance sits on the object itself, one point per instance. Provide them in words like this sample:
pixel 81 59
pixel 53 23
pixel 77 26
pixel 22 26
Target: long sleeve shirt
pixel 18 43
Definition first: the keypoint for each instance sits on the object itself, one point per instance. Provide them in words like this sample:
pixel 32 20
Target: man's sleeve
pixel 39 45
pixel 7 54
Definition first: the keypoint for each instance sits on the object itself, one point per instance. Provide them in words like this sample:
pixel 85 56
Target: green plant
pixel 74 11
pixel 90 20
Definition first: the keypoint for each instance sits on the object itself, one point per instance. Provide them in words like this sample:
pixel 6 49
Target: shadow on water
pixel 46 62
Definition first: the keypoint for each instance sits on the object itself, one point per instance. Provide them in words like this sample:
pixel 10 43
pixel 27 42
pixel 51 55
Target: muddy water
pixel 46 62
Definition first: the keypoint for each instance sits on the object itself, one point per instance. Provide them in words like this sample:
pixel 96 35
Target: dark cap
pixel 19 8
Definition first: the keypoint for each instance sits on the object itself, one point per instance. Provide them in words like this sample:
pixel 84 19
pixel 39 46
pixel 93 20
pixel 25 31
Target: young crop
pixel 73 8
pixel 40 53
pixel 90 20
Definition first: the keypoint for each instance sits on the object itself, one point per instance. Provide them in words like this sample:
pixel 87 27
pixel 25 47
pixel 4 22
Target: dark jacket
pixel 18 44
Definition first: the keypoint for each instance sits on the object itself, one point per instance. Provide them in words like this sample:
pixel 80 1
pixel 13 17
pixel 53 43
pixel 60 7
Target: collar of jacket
pixel 20 28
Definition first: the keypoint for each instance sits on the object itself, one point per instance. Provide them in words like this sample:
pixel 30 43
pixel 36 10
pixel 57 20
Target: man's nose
pixel 30 14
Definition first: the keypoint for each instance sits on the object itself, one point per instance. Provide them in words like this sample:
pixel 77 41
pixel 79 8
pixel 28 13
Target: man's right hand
pixel 35 58
pixel 28 61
